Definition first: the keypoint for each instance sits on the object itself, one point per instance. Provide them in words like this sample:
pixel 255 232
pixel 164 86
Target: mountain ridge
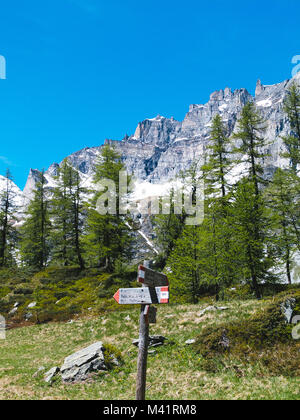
pixel 161 147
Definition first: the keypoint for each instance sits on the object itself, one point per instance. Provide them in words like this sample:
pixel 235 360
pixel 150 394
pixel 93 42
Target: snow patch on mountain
pixel 266 103
pixel 16 194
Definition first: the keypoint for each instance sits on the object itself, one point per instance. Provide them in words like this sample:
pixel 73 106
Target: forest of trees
pixel 250 232
pixel 251 229
pixel 62 227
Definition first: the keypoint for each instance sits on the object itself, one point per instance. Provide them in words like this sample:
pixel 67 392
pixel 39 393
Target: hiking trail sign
pixel 142 296
pixel 155 290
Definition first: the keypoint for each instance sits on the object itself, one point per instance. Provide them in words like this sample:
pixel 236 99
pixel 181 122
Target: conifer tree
pixel 168 228
pixel 35 232
pixel 250 214
pixel 217 196
pixel 222 255
pixel 187 263
pixel 291 179
pixel 251 129
pixel 108 235
pixel 292 110
pixel 8 233
pixel 67 217
pixel 280 196
pixel 79 216
pixel 218 160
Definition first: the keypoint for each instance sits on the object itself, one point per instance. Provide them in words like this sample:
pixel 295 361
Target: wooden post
pixel 142 357
pixel 143 353
pixel 155 290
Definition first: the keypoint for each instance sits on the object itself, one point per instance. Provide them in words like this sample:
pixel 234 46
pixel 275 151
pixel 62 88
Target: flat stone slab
pixel 84 356
pixel 79 365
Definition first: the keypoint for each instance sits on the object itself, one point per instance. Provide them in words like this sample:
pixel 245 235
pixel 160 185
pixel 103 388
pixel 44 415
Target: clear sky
pixel 80 71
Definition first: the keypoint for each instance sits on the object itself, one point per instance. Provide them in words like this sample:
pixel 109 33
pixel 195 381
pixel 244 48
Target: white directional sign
pixel 142 295
pixel 151 278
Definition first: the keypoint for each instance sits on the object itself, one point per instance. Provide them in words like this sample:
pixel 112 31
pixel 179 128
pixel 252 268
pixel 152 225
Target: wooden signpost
pixel 155 290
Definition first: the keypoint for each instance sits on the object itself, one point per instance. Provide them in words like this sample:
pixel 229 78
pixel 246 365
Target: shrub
pixel 111 353
pixel 264 339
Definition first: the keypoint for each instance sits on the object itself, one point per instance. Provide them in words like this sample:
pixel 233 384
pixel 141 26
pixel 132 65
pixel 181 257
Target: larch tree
pixel 109 236
pixel 8 232
pixel 67 215
pixel 35 232
pixel 250 214
pixel 280 197
pixel 217 199
pixel 291 108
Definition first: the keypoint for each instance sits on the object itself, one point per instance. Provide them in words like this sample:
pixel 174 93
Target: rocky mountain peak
pixel 259 88
pixel 158 131
pixel 161 147
pixel 32 180
pixel 53 169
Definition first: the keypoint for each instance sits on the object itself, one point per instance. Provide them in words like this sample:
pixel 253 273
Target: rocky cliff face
pixel 161 147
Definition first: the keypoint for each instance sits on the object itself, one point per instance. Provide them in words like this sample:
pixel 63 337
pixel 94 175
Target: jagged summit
pixel 161 147
pixel 158 118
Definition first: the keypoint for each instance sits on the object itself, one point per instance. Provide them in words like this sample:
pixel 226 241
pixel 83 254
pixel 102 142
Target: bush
pixel 264 339
pixel 239 292
pixel 111 354
pixel 23 290
pixel 4 291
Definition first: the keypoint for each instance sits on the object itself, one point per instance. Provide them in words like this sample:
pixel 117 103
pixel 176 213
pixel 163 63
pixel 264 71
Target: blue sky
pixel 80 71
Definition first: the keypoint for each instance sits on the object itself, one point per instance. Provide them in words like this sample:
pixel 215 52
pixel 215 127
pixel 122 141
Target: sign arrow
pixel 142 295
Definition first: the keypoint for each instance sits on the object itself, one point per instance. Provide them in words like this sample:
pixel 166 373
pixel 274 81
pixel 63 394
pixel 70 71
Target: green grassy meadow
pixel 175 371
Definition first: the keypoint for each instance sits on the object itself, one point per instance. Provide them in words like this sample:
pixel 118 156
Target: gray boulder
pixel 81 364
pixel 287 308
pixel 157 340
pixel 154 341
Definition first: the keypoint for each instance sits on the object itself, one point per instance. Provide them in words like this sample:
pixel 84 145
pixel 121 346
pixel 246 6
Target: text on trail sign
pixel 151 278
pixel 142 295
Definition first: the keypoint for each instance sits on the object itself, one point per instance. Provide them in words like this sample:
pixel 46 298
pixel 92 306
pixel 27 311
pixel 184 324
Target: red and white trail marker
pixel 142 296
pixel 151 278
